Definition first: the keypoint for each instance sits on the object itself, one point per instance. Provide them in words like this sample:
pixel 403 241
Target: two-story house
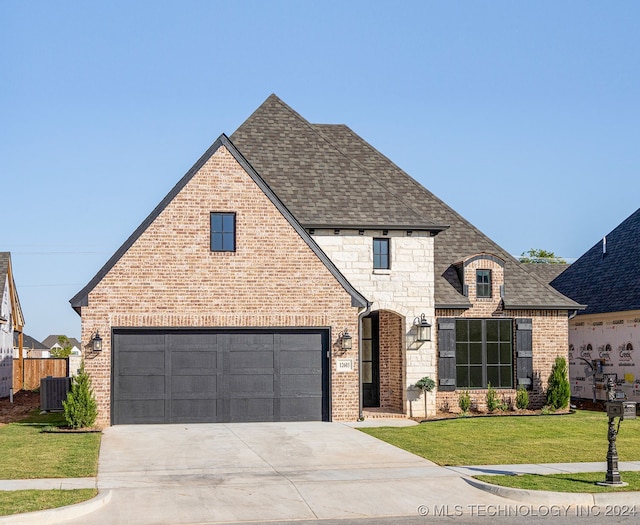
pixel 296 273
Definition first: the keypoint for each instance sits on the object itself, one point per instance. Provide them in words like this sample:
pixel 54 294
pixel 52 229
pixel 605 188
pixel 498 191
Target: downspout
pixel 361 316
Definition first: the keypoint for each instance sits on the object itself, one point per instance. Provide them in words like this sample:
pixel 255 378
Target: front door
pixel 370 361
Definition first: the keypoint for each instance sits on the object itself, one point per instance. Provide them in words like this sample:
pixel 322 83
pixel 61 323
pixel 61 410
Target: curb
pixel 60 514
pixel 557 498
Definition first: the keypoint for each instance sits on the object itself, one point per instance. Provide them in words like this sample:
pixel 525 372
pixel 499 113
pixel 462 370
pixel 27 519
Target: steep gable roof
pixel 51 340
pixel 312 167
pixel 607 282
pixel 82 297
pixel 29 342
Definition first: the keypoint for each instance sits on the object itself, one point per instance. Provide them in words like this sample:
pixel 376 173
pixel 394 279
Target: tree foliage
pixel 558 388
pixel 80 407
pixel 66 345
pixel 539 256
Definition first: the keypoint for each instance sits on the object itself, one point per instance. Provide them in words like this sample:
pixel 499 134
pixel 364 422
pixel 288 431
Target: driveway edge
pixel 60 514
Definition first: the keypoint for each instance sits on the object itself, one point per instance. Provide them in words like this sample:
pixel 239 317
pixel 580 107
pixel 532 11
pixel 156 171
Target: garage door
pixel 209 376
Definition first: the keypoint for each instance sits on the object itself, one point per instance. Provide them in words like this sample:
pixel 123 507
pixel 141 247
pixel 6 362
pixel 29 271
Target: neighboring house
pixel 230 302
pixel 52 342
pixel 604 339
pixel 30 347
pixel 11 322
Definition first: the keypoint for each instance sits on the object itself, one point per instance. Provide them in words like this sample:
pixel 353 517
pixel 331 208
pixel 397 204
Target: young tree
pixel 80 407
pixel 66 345
pixel 558 388
pixel 538 256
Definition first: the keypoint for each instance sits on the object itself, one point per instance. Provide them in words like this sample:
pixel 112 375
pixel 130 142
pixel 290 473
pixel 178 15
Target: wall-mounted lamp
pixel 96 342
pixel 346 340
pixel 423 329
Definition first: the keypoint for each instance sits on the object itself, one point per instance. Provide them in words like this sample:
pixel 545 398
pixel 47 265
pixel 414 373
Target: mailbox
pixel 622 409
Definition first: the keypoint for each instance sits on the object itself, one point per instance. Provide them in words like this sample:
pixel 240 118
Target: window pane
pixel 475 377
pixel 492 330
pixel 366 350
pixel 227 222
pixel 505 331
pixel 506 376
pixel 216 242
pixel 367 376
pixel 462 353
pixel 475 330
pixel 227 241
pixel 505 353
pixel 493 376
pixel 216 222
pixel 462 376
pixel 462 330
pixel 366 328
pixel 475 353
pixel 492 354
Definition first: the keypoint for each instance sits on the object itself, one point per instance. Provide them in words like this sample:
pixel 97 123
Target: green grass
pixel 27 452
pixel 19 501
pixel 582 482
pixel 575 437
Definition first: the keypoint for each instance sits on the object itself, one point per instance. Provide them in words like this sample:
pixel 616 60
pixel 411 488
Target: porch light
pixel 96 342
pixel 346 340
pixel 423 329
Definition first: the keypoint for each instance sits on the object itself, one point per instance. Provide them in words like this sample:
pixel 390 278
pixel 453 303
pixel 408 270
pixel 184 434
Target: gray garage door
pixel 210 376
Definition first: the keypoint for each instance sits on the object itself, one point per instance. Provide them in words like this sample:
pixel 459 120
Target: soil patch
pixel 24 402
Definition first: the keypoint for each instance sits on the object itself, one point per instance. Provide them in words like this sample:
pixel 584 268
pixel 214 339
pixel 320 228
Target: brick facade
pixel 549 337
pixel 391 361
pixel 170 278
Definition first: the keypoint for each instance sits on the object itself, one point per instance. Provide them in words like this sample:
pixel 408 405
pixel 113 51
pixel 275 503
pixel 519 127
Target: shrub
pixel 464 401
pixel 558 388
pixel 426 384
pixel 522 398
pixel 493 403
pixel 80 408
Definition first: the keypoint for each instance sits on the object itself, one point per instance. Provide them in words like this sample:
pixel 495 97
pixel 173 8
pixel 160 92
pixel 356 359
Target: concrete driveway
pixel 210 473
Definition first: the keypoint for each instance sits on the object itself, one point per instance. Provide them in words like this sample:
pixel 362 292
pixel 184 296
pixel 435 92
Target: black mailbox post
pixel 620 410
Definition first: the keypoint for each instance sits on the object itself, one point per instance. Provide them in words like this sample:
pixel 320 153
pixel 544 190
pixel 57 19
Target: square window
pixel 381 254
pixel 223 232
pixel 483 283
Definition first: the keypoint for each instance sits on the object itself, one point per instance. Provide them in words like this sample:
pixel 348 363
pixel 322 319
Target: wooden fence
pixel 28 378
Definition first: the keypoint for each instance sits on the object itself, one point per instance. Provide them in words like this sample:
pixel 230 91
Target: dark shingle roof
pixel 29 342
pixel 318 169
pixel 545 272
pixel 607 282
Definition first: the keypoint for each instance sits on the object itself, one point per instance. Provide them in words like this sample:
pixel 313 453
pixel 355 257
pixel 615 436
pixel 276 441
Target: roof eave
pixel 433 229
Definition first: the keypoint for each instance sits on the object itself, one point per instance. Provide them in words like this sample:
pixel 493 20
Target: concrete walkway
pixel 173 474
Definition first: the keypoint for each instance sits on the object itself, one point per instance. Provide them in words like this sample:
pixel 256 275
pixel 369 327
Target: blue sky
pixel 522 116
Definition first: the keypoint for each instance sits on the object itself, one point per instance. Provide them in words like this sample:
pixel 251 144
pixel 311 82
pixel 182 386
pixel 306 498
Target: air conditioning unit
pixel 53 391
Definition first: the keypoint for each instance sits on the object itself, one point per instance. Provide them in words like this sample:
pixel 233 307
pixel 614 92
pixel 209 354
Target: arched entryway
pixel 382 361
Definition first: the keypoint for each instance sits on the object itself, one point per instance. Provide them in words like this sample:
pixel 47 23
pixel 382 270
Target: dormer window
pixel 483 283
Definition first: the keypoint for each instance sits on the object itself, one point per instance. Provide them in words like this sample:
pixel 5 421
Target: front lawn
pixel 578 482
pixel 579 437
pixel 27 452
pixel 19 501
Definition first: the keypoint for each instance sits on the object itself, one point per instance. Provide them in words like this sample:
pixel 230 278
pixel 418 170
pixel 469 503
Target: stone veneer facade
pixel 169 277
pixel 401 294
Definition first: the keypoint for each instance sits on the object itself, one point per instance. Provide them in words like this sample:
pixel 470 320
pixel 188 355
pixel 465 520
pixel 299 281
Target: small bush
pixel 464 401
pixel 558 388
pixel 80 408
pixel 493 403
pixel 522 398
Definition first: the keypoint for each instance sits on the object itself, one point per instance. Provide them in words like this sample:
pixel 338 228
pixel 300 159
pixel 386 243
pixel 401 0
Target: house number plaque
pixel 344 365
